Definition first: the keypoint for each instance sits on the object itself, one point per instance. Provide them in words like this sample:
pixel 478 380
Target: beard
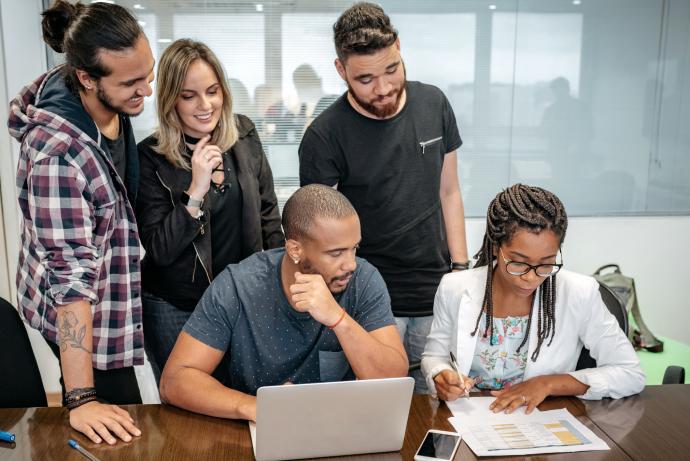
pixel 380 111
pixel 107 102
pixel 388 109
pixel 306 267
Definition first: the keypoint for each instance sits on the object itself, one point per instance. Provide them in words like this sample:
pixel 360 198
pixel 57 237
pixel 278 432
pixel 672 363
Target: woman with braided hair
pixel 517 321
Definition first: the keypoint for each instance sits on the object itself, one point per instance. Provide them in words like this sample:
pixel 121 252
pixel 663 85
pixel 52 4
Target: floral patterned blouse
pixel 494 366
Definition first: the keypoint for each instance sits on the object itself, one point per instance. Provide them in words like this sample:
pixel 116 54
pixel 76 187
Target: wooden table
pixel 653 425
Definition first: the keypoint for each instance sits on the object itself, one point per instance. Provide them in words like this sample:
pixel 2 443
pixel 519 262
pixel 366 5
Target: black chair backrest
pixel 616 307
pixel 21 384
pixel 674 375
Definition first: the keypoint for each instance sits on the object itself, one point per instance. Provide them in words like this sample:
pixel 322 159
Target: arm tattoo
pixel 68 333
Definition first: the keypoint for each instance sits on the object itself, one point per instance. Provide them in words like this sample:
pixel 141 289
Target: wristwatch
pixel 187 200
pixel 455 266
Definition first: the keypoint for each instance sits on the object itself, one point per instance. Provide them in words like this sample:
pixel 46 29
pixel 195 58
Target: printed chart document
pixel 554 431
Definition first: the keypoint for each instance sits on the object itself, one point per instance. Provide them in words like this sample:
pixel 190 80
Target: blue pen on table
pixel 73 443
pixel 454 364
pixel 6 437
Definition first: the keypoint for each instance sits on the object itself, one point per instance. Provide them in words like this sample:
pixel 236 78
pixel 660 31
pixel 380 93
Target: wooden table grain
pixel 429 413
pixel 632 427
pixel 654 425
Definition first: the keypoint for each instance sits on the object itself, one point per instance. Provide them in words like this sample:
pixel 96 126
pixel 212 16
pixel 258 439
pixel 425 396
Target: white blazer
pixel 581 319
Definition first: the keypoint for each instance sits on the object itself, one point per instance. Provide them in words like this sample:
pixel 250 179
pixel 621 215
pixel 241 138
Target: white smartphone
pixel 438 446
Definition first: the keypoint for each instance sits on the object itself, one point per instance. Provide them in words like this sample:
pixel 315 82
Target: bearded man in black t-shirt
pixel 389 146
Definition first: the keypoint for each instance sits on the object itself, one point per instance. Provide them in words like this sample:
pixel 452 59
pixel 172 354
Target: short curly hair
pixel 362 29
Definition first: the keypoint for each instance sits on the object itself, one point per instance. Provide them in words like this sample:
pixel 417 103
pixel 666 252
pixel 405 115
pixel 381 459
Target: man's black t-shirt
pixel 118 153
pixel 391 172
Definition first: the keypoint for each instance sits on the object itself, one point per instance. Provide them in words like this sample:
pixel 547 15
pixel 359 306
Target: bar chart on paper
pixel 552 431
pixel 527 435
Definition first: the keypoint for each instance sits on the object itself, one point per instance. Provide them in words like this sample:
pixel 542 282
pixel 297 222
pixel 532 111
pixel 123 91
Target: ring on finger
pixel 524 399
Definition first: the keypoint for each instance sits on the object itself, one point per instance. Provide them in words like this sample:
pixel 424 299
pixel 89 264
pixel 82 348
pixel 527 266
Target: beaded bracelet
pixel 79 396
pixel 74 404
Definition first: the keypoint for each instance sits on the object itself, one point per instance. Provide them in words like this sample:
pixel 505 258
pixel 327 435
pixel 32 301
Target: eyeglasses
pixel 542 270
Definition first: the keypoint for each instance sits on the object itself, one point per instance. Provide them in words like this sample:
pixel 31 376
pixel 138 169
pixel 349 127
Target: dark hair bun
pixel 56 21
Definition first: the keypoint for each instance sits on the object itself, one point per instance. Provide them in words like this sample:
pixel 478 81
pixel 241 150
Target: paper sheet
pixel 477 408
pixel 252 433
pixel 554 431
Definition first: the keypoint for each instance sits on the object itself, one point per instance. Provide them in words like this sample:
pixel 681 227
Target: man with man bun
pixel 79 277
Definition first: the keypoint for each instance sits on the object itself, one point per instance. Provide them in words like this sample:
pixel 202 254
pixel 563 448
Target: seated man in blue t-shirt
pixel 305 313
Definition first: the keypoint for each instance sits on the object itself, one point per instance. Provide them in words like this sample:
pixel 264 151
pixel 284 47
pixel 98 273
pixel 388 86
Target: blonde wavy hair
pixel 172 71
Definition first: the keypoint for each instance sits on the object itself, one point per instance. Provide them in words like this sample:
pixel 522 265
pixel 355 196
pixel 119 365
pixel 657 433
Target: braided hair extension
pixel 533 209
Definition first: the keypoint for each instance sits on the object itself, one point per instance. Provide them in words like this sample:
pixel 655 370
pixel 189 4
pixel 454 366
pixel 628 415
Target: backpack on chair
pixel 624 288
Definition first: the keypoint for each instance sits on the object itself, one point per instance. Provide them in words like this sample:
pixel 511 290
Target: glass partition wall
pixel 590 98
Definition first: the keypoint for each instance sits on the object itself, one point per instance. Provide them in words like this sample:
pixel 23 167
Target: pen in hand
pixel 73 443
pixel 454 364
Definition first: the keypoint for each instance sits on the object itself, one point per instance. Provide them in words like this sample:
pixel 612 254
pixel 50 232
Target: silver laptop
pixel 331 419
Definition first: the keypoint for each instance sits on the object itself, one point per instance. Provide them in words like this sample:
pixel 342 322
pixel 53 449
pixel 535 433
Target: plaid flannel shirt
pixel 79 239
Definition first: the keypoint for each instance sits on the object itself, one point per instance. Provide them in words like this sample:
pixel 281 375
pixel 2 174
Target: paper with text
pixel 554 431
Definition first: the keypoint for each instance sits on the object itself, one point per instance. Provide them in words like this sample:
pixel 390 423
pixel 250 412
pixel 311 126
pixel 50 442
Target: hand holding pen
pixel 450 384
pixel 465 382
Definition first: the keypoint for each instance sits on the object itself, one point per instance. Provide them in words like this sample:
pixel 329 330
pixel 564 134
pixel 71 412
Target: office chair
pixel 616 307
pixel 21 384
pixel 674 375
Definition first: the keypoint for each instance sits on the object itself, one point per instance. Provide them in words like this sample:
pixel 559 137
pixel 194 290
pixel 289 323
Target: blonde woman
pixel 206 196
